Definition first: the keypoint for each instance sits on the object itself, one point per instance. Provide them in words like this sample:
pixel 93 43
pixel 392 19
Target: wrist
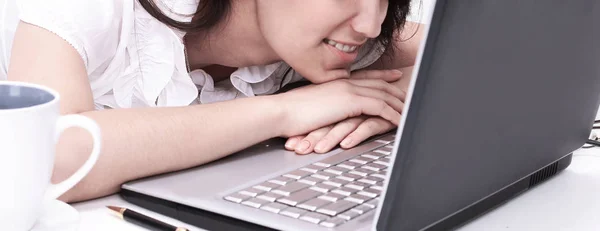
pixel 277 114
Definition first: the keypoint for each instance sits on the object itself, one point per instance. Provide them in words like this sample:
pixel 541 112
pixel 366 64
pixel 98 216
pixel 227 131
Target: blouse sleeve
pixel 92 27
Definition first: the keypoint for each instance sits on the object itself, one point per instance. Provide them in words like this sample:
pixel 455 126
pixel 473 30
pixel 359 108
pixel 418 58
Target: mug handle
pixel 68 121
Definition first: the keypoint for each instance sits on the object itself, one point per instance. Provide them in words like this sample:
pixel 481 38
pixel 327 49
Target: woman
pixel 178 83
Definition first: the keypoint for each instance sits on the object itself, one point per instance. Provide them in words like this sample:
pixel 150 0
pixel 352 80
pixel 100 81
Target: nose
pixel 370 16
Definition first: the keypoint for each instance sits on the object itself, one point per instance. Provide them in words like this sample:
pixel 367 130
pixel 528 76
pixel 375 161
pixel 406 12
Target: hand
pixel 309 108
pixel 347 133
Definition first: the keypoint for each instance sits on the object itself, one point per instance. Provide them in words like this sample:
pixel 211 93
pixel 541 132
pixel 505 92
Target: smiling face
pixel 320 38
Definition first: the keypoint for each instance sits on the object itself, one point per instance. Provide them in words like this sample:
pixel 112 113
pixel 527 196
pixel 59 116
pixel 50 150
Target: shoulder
pixel 87 25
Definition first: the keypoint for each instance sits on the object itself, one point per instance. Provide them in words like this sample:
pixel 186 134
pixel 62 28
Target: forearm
pixel 143 142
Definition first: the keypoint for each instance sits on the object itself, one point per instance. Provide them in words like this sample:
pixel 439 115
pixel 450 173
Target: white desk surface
pixel 569 201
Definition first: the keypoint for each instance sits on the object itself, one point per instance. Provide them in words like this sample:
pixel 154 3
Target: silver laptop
pixel 502 94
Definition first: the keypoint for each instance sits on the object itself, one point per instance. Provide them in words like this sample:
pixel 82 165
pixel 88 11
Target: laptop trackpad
pixel 253 165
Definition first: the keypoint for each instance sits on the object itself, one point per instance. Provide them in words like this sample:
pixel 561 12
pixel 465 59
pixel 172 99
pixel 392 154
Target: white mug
pixel 30 124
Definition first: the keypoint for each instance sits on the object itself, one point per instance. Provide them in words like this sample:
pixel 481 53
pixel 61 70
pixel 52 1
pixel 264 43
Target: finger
pixel 380 85
pixel 389 75
pixel 307 144
pixel 392 101
pixel 370 127
pixel 291 143
pixel 376 107
pixel 337 133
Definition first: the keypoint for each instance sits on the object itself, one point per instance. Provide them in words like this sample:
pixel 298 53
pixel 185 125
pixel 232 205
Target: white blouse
pixel 133 60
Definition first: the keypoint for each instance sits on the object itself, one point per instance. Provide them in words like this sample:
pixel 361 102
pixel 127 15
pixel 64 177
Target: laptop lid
pixel 503 89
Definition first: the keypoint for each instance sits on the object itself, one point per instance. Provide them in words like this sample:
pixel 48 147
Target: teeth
pixel 341 47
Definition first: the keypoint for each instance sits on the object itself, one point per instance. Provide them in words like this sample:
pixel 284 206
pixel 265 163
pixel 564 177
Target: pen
pixel 143 220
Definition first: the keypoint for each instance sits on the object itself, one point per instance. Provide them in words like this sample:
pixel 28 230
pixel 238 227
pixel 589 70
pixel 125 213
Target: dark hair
pixel 211 12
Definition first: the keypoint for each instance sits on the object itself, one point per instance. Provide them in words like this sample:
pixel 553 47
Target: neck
pixel 235 42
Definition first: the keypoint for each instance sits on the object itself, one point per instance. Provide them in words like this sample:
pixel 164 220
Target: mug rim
pixel 30 85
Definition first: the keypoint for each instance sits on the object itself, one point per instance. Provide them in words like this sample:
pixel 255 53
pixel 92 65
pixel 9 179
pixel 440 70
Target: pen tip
pixel 114 208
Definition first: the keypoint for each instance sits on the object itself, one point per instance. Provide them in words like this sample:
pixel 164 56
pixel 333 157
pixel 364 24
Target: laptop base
pixel 213 221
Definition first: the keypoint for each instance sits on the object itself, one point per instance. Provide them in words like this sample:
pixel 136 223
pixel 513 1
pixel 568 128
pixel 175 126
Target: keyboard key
pixel 377 187
pixel 363 171
pixel 333 222
pixel 357 198
pixel 254 202
pixel 369 194
pixel 293 212
pixel 326 165
pixel 299 196
pixel 382 161
pixel 346 191
pixel 358 185
pixel 367 171
pixel 324 175
pixel 337 207
pixel 371 190
pixel 269 196
pixel 313 204
pixel 274 207
pixel 290 188
pixel 361 160
pixel 387 148
pixel 380 184
pixel 351 176
pixel 346 178
pixel 349 165
pixel 359 173
pixel 297 174
pixel 312 168
pixel 378 175
pixel 253 192
pixel 372 203
pixel 383 141
pixel 267 186
pixel 337 170
pixel 387 139
pixel 362 209
pixel 335 182
pixel 373 155
pixel 349 215
pixel 382 152
pixel 333 197
pixel 324 188
pixel 370 180
pixel 281 180
pixel 237 197
pixel 310 180
pixel 315 218
pixel 374 167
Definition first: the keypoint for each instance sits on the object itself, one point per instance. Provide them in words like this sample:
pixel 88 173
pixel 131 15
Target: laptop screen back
pixel 504 88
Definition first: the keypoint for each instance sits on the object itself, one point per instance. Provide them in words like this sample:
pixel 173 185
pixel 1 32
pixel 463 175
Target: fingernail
pixel 291 144
pixel 398 73
pixel 346 142
pixel 303 146
pixel 320 147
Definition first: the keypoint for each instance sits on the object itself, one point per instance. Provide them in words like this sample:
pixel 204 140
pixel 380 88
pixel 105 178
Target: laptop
pixel 503 92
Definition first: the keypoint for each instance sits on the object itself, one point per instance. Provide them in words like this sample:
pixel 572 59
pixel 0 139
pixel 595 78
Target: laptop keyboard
pixel 329 192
